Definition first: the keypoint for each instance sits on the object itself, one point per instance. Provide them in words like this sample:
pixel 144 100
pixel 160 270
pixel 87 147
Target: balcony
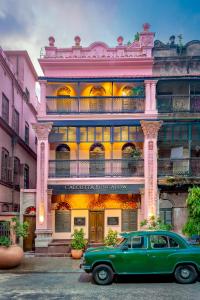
pixel 178 104
pixel 96 168
pixel 187 167
pixel 82 105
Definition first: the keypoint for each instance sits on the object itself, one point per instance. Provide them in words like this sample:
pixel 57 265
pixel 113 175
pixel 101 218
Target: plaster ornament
pixel 51 41
pixel 120 40
pixel 77 40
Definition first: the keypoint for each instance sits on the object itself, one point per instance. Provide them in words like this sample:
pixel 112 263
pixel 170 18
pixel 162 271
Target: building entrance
pixel 96 226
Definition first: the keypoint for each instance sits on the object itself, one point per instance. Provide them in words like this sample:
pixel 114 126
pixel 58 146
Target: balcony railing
pixel 73 105
pixel 189 167
pixel 96 168
pixel 178 103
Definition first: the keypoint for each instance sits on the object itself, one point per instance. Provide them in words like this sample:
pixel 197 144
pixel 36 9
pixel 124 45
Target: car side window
pixel 137 242
pixel 158 241
pixel 173 243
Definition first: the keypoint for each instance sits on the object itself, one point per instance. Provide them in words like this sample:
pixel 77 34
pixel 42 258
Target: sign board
pixel 112 220
pixel 96 189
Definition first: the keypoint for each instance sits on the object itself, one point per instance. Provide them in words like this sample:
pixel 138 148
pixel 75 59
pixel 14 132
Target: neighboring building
pixel 18 108
pixel 97 140
pixel 178 102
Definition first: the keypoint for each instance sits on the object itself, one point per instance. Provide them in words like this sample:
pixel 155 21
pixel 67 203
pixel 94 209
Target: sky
pixel 27 24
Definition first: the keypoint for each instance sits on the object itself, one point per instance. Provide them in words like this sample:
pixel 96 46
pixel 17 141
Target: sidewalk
pixel 46 265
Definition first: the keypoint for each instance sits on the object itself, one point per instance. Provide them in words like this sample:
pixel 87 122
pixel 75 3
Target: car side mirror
pixel 124 247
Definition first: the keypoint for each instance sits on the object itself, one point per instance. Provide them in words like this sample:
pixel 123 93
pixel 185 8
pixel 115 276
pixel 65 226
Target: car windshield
pixel 119 242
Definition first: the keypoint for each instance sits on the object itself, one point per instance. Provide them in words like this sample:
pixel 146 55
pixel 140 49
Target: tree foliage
pixel 155 223
pixel 192 225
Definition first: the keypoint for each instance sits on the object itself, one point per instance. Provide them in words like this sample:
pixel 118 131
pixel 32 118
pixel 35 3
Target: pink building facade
pixel 18 108
pixel 97 133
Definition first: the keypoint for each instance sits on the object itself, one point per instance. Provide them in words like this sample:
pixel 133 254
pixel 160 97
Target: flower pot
pixel 76 253
pixel 11 256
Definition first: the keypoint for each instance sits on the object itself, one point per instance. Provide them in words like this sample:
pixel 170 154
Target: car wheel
pixel 103 274
pixel 185 274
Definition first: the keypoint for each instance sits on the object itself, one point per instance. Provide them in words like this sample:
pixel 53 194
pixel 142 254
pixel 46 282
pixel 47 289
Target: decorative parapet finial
pixel 51 41
pixel 77 40
pixel 146 27
pixel 120 40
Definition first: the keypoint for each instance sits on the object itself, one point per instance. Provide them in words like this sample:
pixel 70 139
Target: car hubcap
pixel 185 273
pixel 102 274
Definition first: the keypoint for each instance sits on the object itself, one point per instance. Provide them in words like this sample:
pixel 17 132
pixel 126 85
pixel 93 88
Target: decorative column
pixel 43 224
pixel 150 99
pixel 149 205
pixel 42 106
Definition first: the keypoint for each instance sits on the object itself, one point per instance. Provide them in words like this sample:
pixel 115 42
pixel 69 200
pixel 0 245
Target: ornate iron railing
pixel 96 168
pixel 189 167
pixel 71 105
pixel 178 103
pixel 4 228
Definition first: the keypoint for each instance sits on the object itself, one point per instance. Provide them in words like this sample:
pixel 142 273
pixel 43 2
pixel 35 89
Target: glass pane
pixel 71 134
pixel 158 241
pixel 117 134
pixel 106 134
pixel 90 134
pixel 99 133
pixel 124 133
pixel 83 134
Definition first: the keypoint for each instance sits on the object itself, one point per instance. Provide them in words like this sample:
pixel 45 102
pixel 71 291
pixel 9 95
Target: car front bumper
pixel 86 268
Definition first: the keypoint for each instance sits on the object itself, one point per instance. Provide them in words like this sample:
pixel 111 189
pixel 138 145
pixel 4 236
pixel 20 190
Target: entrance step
pixel 94 245
pixel 59 248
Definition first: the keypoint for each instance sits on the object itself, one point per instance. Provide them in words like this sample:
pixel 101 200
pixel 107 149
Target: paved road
pixel 78 286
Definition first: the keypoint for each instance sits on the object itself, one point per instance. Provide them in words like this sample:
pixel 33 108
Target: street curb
pixel 39 272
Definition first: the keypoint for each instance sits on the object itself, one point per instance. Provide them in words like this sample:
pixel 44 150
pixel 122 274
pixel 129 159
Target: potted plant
pixel 111 238
pixel 78 243
pixel 11 254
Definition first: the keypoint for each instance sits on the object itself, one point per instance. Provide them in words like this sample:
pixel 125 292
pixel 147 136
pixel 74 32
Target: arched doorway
pixel 29 217
pixel 127 159
pixel 62 160
pixel 97 103
pixel 97 160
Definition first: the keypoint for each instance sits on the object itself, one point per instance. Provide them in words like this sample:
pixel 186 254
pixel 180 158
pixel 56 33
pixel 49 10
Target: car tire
pixel 185 274
pixel 103 274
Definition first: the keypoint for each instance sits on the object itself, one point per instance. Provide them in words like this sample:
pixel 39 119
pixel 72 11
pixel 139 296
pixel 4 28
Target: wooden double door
pixel 96 226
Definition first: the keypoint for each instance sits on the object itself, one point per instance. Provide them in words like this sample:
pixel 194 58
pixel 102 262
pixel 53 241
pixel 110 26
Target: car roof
pixel 147 232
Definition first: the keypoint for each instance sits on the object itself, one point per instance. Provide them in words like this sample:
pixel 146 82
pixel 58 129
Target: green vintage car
pixel 144 252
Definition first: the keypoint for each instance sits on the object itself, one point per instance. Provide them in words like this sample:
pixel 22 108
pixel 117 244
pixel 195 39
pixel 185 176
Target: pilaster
pixel 150 99
pixel 150 129
pixel 43 216
pixel 42 107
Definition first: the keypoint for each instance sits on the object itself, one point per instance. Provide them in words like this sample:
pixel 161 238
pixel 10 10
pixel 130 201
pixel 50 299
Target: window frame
pixel 16 121
pixel 5 108
pixel 26 177
pixel 26 133
pixel 4 164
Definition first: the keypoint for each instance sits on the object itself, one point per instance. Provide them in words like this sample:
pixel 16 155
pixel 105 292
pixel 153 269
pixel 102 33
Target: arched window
pixel 97 160
pixel 64 91
pixel 64 104
pixel 97 103
pixel 128 164
pixel 127 150
pixel 62 160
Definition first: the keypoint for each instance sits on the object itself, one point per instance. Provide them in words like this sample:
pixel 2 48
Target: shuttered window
pixel 62 221
pixel 129 220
